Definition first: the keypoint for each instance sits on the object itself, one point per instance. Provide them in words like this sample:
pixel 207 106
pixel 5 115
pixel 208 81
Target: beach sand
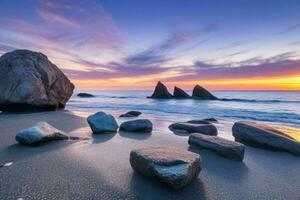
pixel 99 168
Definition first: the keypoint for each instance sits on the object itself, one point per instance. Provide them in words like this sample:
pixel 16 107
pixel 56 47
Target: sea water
pixel 278 107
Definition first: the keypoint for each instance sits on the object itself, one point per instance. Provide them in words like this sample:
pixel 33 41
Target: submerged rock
pixel 172 166
pixel 101 122
pixel 201 93
pixel 226 148
pixel 139 125
pixel 179 93
pixel 85 95
pixel 203 121
pixel 260 135
pixel 161 92
pixel 30 82
pixel 132 113
pixel 204 128
pixel 39 133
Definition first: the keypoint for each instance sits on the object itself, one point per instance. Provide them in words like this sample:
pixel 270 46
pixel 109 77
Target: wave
pixel 259 101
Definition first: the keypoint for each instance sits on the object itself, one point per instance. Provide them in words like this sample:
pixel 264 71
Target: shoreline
pixel 99 168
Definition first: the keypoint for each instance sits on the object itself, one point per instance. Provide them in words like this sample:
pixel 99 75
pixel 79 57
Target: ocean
pixel 271 107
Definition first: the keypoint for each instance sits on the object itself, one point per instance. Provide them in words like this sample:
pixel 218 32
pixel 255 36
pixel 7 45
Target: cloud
pixel 57 18
pixel 257 67
pixel 290 28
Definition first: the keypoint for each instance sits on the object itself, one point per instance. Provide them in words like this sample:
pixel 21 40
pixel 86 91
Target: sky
pixel 132 44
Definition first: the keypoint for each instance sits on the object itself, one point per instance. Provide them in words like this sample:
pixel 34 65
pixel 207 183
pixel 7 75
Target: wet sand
pixel 99 168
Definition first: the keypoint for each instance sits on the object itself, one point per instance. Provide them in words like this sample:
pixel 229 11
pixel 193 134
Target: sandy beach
pixel 99 168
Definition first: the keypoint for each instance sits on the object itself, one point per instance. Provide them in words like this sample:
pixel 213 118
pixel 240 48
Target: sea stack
pixel 201 93
pixel 30 82
pixel 161 92
pixel 179 93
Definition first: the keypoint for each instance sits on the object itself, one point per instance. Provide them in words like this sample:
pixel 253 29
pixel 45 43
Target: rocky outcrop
pixel 161 92
pixel 139 125
pixel 30 82
pixel 132 113
pixel 184 127
pixel 226 148
pixel 265 136
pixel 201 93
pixel 102 123
pixel 85 95
pixel 40 133
pixel 172 166
pixel 179 93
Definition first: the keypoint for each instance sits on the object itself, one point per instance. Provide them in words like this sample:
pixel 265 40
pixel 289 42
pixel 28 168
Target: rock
pixel 212 120
pixel 226 148
pixel 39 133
pixel 139 125
pixel 30 82
pixel 179 93
pixel 161 92
pixel 102 123
pixel 260 135
pixel 201 93
pixel 207 129
pixel 172 166
pixel 203 121
pixel 85 95
pixel 131 114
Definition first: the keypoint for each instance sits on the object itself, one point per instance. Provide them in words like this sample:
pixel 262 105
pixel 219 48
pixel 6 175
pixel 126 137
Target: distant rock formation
pixel 179 93
pixel 30 82
pixel 201 93
pixel 85 95
pixel 161 92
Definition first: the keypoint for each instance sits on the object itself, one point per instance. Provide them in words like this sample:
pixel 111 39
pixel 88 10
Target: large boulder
pixel 131 113
pixel 161 92
pixel 85 95
pixel 226 148
pixel 30 82
pixel 201 93
pixel 170 165
pixel 265 136
pixel 179 93
pixel 203 128
pixel 101 122
pixel 41 132
pixel 139 125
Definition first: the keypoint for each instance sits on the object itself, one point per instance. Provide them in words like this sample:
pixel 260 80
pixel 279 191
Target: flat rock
pixel 172 166
pixel 161 92
pixel 201 93
pixel 30 82
pixel 85 95
pixel 226 148
pixel 261 135
pixel 205 128
pixel 139 125
pixel 101 122
pixel 132 113
pixel 179 93
pixel 39 133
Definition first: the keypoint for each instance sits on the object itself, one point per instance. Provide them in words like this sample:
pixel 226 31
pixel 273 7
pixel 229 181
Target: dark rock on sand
pixel 161 92
pixel 204 128
pixel 102 122
pixel 260 135
pixel 85 95
pixel 179 93
pixel 226 148
pixel 30 82
pixel 172 166
pixel 39 133
pixel 201 93
pixel 139 125
pixel 131 114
